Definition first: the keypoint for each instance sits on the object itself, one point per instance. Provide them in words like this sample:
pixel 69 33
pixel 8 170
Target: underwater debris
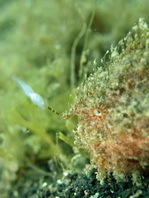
pixel 35 98
pixel 112 106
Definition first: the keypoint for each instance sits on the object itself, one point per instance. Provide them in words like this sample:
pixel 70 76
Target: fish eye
pixel 97 112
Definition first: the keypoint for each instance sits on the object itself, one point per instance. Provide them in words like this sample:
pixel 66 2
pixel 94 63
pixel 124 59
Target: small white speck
pixel 65 174
pixel 112 191
pixel 95 61
pixel 44 185
pixel 59 181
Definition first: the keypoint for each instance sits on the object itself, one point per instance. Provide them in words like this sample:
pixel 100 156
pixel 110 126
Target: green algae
pixel 39 42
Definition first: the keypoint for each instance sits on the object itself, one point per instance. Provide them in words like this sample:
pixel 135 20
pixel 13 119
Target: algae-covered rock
pixel 113 109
